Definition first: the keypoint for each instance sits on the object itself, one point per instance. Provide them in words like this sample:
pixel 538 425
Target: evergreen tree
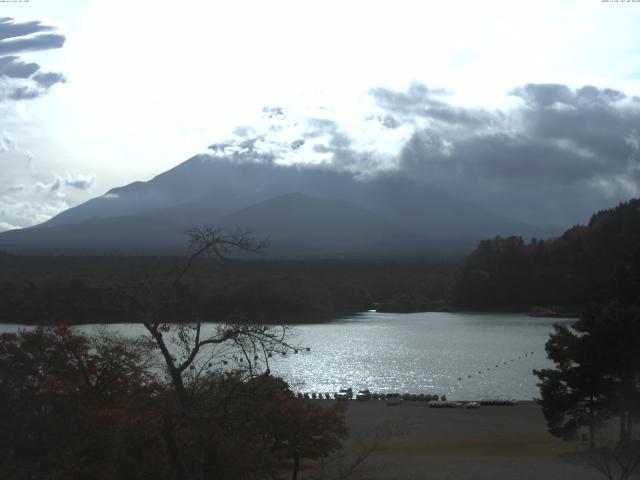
pixel 597 372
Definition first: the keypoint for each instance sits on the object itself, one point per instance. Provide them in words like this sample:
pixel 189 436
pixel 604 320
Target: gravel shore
pixel 418 442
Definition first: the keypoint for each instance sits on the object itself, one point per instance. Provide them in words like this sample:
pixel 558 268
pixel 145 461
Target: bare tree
pixel 190 349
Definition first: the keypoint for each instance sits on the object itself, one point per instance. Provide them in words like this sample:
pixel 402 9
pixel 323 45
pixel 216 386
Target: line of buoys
pixel 497 365
pixel 498 402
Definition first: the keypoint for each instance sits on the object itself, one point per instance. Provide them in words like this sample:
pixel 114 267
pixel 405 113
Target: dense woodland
pixel 587 264
pixel 96 289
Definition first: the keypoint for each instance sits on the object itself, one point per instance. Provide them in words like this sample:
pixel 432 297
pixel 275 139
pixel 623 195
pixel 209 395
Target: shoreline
pixel 286 319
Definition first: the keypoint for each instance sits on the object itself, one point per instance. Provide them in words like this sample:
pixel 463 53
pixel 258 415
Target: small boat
pixel 363 395
pixel 344 394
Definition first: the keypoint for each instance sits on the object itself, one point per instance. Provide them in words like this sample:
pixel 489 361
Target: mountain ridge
pixel 204 189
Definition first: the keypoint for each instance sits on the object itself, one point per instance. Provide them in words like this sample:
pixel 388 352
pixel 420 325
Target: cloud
pixel 24 205
pixel 48 79
pixel 20 80
pixel 46 41
pixel 7 142
pixel 80 182
pixel 55 186
pixel 421 102
pixel 558 155
pixel 13 67
pixel 296 144
pixel 10 29
pixel 555 156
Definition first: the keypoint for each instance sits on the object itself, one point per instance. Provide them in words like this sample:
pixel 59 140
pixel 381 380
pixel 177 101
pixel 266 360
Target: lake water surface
pixel 460 355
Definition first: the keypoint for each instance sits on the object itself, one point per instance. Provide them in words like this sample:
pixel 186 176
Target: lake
pixel 461 355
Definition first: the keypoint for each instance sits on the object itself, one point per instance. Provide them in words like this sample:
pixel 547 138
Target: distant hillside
pixel 298 221
pixel 303 210
pixel 586 264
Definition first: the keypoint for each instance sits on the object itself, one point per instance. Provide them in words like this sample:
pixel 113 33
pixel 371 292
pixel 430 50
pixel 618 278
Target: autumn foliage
pixel 77 406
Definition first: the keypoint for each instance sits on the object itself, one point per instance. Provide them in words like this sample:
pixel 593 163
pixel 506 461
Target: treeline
pixel 43 290
pixel 587 264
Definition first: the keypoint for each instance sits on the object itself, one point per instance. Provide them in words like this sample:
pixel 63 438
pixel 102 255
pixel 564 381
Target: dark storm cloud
pixel 13 67
pixel 546 95
pixel 562 151
pixel 389 121
pixel 296 144
pixel 48 79
pixel 419 101
pixel 20 80
pixel 19 92
pixel 410 102
pixel 10 29
pixel 45 41
pixel 595 121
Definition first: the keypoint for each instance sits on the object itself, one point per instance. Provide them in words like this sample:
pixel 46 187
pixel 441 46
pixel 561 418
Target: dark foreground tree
pixel 76 406
pixel 73 406
pixel 597 373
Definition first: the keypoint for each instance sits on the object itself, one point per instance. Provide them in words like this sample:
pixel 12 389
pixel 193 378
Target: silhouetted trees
pixel 79 290
pixel 597 372
pixel 73 406
pixel 77 406
pixel 586 264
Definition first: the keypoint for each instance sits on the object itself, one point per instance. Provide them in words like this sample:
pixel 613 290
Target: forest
pixel 558 276
pixel 587 264
pixel 72 290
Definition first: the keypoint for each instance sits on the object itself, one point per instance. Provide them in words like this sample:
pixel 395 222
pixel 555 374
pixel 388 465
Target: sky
pixel 531 109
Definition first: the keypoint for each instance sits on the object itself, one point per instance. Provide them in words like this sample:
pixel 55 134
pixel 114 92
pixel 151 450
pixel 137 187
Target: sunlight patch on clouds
pixel 24 206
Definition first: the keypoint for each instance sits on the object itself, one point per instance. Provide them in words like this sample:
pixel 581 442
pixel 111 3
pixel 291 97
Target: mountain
pixel 303 210
pixel 298 222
